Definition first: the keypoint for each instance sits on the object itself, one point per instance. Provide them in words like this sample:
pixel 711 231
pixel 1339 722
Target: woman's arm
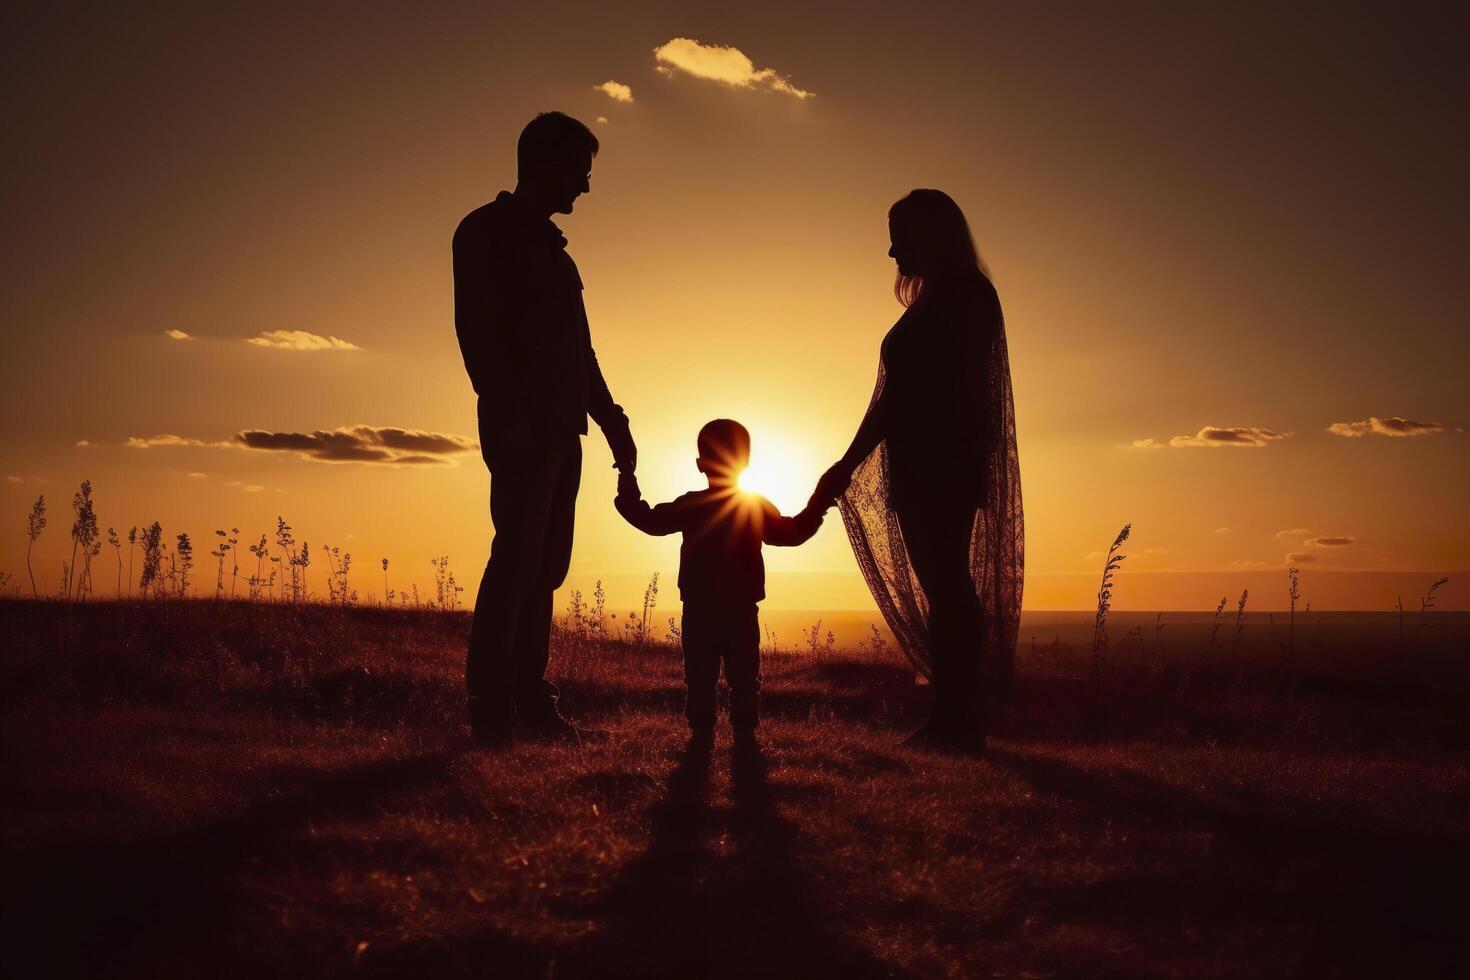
pixel 871 431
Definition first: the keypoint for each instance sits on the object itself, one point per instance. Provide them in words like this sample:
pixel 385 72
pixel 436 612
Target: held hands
pixel 833 484
pixel 628 485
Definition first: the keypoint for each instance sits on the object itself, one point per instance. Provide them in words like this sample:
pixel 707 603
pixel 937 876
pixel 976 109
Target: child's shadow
pixel 738 908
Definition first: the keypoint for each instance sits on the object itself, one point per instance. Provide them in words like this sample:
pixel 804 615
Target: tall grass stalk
pixel 1105 593
pixel 1239 621
pixel 1295 592
pixel 35 524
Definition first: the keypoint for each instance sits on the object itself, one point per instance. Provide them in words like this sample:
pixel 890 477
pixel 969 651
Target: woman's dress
pixel 950 441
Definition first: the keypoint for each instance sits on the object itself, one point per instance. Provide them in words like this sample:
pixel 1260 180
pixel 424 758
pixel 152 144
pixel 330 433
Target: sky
pixel 1228 241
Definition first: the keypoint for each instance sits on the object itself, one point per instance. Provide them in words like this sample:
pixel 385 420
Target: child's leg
pixel 743 667
pixel 700 635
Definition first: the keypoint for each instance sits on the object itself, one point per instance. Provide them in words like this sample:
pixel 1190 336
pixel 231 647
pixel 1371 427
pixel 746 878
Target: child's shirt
pixel 720 557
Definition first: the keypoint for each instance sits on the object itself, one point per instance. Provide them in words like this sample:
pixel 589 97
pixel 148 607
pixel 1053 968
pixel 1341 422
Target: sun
pixel 780 472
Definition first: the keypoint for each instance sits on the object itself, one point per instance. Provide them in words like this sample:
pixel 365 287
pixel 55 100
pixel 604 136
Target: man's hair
pixel 724 441
pixel 552 137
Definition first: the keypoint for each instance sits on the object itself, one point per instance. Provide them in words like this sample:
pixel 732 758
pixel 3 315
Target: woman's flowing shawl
pixel 997 539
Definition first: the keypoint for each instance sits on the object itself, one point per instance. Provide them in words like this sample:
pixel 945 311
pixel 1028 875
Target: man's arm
pixel 609 416
pixel 788 532
pixel 663 519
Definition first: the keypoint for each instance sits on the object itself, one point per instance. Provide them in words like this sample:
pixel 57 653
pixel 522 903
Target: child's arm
pixel 663 519
pixel 791 531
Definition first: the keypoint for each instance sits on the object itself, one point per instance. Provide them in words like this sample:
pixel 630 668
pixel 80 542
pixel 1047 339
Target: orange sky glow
pixel 1229 246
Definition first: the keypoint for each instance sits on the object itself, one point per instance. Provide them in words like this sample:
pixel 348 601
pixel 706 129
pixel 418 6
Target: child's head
pixel 724 450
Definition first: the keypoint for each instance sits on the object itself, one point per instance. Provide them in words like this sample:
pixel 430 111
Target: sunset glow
pixel 1209 314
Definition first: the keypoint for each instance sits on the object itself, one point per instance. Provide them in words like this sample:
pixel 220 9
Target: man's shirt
pixel 522 326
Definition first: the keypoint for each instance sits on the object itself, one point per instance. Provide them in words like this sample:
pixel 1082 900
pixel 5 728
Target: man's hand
pixel 624 450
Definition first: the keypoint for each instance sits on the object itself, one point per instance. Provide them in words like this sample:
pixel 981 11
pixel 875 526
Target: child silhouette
pixel 721 574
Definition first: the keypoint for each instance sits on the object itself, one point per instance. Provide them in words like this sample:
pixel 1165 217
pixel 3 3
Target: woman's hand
pixel 834 483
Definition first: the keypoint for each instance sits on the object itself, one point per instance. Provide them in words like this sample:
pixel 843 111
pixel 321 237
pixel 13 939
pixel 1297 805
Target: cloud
pixel 198 476
pixel 1147 444
pixel 13 479
pixel 1298 557
pixel 1293 532
pixel 719 63
pixel 1394 426
pixel 83 443
pixel 1212 435
pixel 348 444
pixel 1249 563
pixel 1222 530
pixel 1091 555
pixel 299 340
pixel 177 335
pixel 360 444
pixel 1341 541
pixel 602 119
pixel 168 439
pixel 248 487
pixel 616 91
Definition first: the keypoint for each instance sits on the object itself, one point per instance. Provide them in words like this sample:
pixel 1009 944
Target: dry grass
pixel 245 789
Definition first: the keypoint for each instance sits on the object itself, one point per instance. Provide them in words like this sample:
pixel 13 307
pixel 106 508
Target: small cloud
pixel 1155 551
pixel 1147 444
pixel 1222 530
pixel 1092 556
pixel 253 488
pixel 167 439
pixel 360 444
pixel 177 335
pixel 720 63
pixel 616 91
pixel 1297 557
pixel 1249 563
pixel 13 479
pixel 1213 436
pixel 1392 426
pixel 83 443
pixel 299 340
pixel 602 119
pixel 198 476
pixel 1292 532
pixel 1331 542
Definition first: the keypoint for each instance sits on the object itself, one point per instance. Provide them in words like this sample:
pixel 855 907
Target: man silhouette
pixel 528 350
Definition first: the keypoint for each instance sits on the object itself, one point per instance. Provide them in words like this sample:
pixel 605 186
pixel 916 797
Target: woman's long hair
pixel 934 220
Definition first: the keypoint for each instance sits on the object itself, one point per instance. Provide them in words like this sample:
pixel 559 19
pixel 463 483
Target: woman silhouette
pixel 930 489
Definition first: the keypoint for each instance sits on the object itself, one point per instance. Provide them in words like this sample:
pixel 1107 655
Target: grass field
pixel 246 789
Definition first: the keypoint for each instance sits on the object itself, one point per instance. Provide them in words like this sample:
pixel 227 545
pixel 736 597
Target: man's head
pixel 724 451
pixel 554 161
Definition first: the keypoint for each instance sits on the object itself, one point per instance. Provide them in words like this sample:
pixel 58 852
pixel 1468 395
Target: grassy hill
pixel 253 789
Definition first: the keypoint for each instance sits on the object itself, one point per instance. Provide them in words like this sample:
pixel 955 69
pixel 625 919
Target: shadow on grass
pixel 1372 903
pixel 172 904
pixel 738 908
